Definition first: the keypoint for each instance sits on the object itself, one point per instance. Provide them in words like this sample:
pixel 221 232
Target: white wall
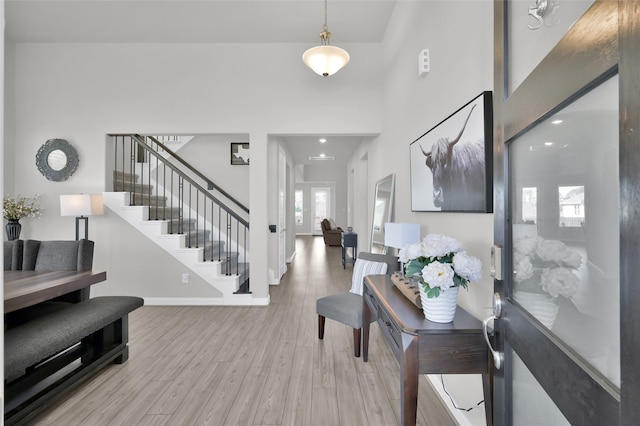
pixel 461 68
pixel 459 36
pixel 211 155
pixel 81 92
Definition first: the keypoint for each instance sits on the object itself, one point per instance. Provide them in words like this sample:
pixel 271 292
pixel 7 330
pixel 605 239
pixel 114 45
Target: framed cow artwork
pixel 452 163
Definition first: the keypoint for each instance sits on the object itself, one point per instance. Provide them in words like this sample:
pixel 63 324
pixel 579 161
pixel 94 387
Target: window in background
pixel 529 205
pixel 299 203
pixel 571 206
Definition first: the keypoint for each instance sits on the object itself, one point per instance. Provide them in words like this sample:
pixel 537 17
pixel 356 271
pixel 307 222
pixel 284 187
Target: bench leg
pixel 124 356
pixel 321 327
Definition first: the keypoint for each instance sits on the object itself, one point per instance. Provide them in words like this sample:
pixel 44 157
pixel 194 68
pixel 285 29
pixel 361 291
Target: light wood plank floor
pixel 250 365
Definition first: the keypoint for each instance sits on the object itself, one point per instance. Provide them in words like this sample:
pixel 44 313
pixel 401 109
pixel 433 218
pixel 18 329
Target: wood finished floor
pixel 250 365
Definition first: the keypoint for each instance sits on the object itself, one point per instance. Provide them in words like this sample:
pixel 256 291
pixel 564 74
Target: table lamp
pixel 400 235
pixel 81 206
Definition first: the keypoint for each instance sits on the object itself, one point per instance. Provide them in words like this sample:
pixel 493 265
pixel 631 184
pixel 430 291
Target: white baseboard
pixel 290 259
pixel 237 300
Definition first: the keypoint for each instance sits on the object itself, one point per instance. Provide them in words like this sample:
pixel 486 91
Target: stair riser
pixel 129 187
pixel 163 213
pixel 145 200
pixel 122 176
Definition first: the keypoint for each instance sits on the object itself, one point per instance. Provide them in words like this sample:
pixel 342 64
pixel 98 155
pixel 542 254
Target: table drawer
pixel 349 240
pixel 391 332
pixel 371 301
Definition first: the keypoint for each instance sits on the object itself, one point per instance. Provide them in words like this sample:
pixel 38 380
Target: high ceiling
pixel 206 21
pixel 188 21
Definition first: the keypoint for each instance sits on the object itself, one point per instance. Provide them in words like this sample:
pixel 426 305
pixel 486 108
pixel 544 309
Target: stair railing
pixel 172 195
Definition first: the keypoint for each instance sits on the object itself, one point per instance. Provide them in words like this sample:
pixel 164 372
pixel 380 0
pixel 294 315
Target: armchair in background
pixel 331 233
pixel 346 308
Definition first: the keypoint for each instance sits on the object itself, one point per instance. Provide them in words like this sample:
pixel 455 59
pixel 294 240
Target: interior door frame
pixel 615 48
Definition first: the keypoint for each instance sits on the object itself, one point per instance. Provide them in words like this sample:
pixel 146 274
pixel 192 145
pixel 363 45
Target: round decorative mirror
pixel 57 160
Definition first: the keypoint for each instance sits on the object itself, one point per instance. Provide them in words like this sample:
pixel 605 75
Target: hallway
pixel 192 365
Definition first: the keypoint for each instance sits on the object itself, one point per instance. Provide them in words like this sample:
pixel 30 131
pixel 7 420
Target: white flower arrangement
pixel 16 208
pixel 546 265
pixel 440 263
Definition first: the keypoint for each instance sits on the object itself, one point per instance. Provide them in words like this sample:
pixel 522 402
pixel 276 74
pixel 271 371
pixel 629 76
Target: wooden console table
pixel 422 346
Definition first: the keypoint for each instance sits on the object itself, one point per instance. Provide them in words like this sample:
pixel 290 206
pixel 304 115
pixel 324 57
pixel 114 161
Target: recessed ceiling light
pixel 556 122
pixel 322 140
pixel 548 143
pixel 322 155
pixel 318 158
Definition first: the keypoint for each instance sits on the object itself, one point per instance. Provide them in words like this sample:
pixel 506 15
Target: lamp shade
pixel 399 235
pixel 325 60
pixel 81 205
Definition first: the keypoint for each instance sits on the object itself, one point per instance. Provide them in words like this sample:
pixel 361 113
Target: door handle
pixel 498 357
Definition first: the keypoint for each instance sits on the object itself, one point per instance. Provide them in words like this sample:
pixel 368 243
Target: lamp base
pixel 86 227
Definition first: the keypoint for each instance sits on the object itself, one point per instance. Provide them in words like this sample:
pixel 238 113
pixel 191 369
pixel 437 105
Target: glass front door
pixel 321 204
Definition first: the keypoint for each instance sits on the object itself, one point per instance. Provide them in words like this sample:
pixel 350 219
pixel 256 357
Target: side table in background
pixel 349 239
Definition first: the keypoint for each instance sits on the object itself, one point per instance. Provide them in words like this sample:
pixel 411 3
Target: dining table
pixel 27 288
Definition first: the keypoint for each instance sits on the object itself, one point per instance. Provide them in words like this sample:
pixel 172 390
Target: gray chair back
pixel 60 256
pixel 12 254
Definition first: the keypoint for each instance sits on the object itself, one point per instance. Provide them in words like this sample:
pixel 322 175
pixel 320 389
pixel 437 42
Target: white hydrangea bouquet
pixel 440 263
pixel 546 265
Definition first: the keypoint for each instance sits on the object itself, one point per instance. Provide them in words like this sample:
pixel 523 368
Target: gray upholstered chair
pixel 12 253
pixel 53 256
pixel 346 308
pixel 60 256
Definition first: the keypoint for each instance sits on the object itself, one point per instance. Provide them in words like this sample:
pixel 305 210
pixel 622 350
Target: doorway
pixel 320 206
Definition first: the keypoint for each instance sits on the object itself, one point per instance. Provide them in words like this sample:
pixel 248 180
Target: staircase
pixel 172 209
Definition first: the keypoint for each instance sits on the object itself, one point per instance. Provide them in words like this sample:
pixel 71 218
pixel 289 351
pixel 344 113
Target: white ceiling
pixel 303 146
pixel 188 21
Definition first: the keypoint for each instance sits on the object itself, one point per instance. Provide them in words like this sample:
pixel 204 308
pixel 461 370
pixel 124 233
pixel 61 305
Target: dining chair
pixel 61 255
pixel 346 308
pixel 12 254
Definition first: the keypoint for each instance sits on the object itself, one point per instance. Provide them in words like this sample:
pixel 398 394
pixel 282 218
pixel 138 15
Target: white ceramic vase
pixel 543 307
pixel 440 309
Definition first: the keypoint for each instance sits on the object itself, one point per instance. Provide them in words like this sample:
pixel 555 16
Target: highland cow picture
pixel 451 164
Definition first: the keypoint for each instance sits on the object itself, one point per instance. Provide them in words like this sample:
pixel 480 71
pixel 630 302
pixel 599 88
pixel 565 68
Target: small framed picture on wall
pixel 239 154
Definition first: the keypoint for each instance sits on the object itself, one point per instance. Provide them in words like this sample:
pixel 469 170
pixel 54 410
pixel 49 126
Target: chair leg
pixel 320 327
pixel 357 334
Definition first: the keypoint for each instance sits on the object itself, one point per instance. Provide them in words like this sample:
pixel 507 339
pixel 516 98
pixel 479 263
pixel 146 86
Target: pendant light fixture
pixel 325 60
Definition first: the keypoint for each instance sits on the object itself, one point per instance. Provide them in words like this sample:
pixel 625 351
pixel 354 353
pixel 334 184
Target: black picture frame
pixel 237 155
pixel 452 163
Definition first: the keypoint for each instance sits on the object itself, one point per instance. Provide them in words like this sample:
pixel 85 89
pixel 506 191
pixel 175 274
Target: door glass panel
pixel 527 47
pixel 321 207
pixel 565 236
pixel 531 404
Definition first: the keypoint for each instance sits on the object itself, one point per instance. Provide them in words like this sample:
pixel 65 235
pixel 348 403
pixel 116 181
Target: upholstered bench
pixel 81 337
